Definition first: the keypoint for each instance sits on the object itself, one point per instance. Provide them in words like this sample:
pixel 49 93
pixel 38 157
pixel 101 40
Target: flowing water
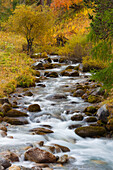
pixel 89 154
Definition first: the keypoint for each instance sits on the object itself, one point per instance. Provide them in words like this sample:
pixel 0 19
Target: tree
pixel 30 23
pixel 57 4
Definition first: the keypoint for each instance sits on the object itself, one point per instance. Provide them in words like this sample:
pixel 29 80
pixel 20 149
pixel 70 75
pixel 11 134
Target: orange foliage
pixel 56 4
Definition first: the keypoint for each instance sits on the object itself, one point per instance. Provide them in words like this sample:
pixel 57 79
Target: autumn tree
pixel 57 4
pixel 30 23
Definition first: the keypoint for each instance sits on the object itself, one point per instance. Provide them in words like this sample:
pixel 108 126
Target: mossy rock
pixel 69 67
pixel 48 59
pixel 6 107
pixel 91 119
pixel 28 93
pixel 77 117
pixel 48 66
pixel 94 99
pixel 64 73
pixel 15 113
pixel 78 93
pixel 34 108
pixel 91 131
pixel 76 67
pixel 56 65
pixel 74 74
pixel 88 114
pixel 62 60
pixel 52 74
pixel 44 55
pixel 37 73
pixel 15 121
pixel 110 124
pixel 91 109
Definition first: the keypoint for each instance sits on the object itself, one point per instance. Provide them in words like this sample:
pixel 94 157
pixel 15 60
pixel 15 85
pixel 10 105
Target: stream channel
pixel 89 153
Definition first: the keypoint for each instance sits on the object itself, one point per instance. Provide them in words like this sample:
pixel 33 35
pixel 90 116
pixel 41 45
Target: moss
pixel 94 99
pixel 91 131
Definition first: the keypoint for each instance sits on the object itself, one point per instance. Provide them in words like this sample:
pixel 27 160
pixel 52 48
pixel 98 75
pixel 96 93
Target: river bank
pixel 49 116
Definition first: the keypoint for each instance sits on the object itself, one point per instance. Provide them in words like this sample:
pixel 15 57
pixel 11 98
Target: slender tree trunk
pixel 48 2
pixel 42 2
pixel 29 46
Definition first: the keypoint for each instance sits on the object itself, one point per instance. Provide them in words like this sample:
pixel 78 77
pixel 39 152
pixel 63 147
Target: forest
pixel 56 84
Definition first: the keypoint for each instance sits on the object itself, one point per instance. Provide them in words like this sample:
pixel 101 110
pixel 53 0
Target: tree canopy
pixel 32 24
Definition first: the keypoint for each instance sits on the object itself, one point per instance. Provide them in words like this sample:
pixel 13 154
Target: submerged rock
pixel 90 131
pixel 39 156
pixel 41 131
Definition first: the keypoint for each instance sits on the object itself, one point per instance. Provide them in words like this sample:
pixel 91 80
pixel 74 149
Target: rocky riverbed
pixel 58 124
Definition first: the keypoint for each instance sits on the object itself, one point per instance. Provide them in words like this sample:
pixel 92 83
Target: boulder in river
pixel 52 74
pixel 91 119
pixel 34 108
pixel 15 113
pixel 10 155
pixel 77 117
pixel 74 74
pixel 63 148
pixel 4 163
pixel 64 73
pixel 39 156
pixel 91 131
pixel 16 120
pixel 103 113
pixel 6 107
pixel 78 93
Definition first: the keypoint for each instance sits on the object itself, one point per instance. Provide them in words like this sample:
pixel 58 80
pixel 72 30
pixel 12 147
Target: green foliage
pixel 105 76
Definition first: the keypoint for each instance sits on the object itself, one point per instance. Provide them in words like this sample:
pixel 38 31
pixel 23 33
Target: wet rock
pixel 103 113
pixel 57 96
pixel 37 73
pixel 48 59
pixel 28 93
pixel 16 120
pixel 40 143
pixel 40 166
pixel 56 65
pixel 52 74
pixel 10 156
pixel 41 85
pixel 74 74
pixel 48 66
pixel 14 167
pixel 39 156
pixel 3 133
pixel 2 127
pixel 64 73
pixel 110 124
pixel 63 159
pixel 5 163
pixel 78 93
pixel 34 108
pixel 77 117
pixel 91 109
pixel 74 126
pixel 55 59
pixel 1 119
pixel 62 60
pixel 91 119
pixel 41 131
pixel 4 100
pixel 15 113
pixel 38 66
pixel 69 67
pixel 63 148
pixel 90 131
pixel 6 107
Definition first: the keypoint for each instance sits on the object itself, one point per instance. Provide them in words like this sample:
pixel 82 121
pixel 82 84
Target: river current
pixel 89 154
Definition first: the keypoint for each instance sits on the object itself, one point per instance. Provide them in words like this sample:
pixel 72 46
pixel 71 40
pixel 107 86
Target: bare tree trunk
pixel 48 2
pixel 42 2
